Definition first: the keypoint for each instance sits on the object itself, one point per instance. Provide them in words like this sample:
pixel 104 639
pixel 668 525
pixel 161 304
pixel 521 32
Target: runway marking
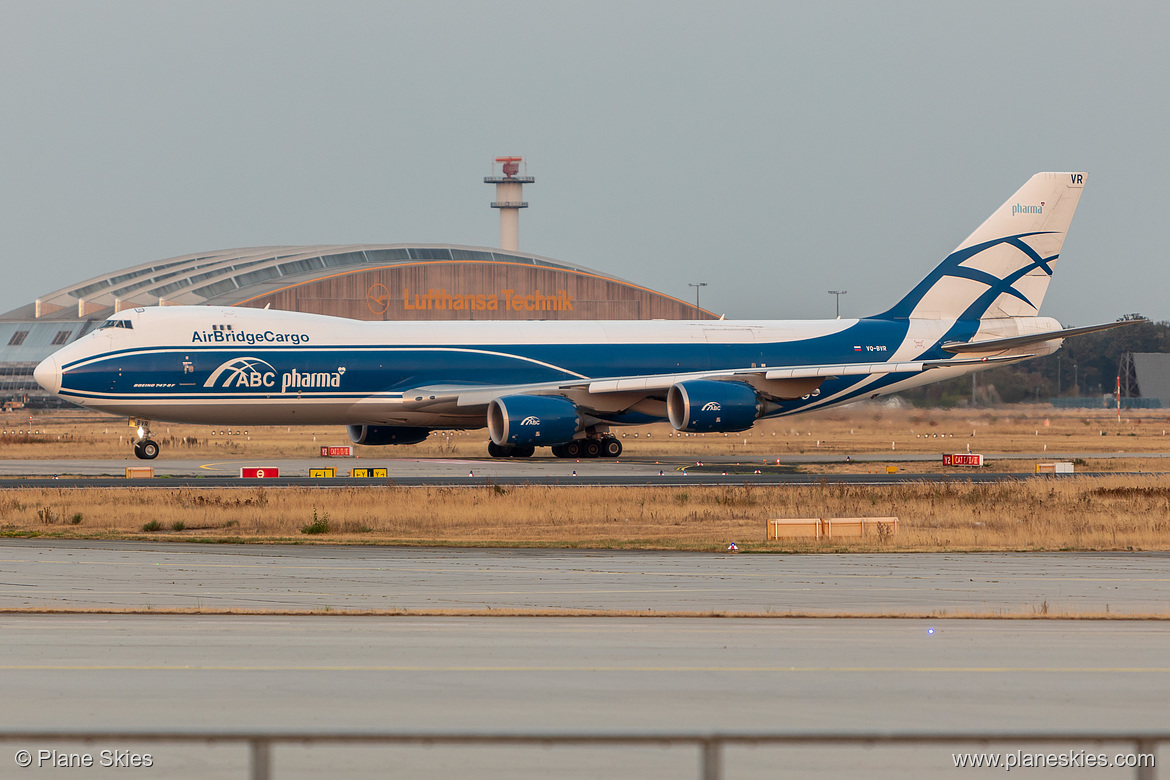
pixel 603 669
pixel 231 463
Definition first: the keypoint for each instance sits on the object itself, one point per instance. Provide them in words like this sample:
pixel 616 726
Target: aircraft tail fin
pixel 1003 268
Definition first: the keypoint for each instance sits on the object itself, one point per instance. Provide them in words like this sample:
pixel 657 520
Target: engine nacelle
pixel 386 434
pixel 524 420
pixel 705 405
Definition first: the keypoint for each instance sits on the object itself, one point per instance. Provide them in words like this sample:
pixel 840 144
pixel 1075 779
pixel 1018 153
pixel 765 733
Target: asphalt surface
pixel 475 472
pixel 553 675
pixel 41 573
pixel 328 672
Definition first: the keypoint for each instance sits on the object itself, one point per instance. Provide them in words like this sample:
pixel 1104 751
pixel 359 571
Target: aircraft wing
pixel 778 381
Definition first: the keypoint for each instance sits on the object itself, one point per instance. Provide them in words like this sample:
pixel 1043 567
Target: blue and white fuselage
pixel 204 364
pixel 563 382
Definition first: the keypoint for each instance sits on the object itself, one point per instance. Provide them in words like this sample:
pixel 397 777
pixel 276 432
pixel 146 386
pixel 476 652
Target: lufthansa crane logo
pixel 378 298
pixel 712 406
pixel 530 420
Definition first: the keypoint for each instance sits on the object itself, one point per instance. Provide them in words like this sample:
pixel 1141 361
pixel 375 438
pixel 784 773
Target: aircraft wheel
pixel 591 449
pixel 610 447
pixel 572 449
pixel 146 450
pixel 523 452
pixel 496 451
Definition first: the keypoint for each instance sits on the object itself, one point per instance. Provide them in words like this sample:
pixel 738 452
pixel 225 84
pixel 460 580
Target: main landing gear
pixel 145 448
pixel 602 447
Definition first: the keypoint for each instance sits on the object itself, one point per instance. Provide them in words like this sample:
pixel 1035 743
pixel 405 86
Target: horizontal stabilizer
pixel 995 345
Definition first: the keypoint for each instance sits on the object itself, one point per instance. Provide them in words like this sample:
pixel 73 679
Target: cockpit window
pixel 116 324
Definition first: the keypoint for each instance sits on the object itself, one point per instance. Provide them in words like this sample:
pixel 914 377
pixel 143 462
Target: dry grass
pixel 942 614
pixel 1107 513
pixel 1104 513
pixel 854 429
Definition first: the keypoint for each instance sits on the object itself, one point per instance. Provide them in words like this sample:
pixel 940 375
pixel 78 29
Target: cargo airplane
pixel 566 384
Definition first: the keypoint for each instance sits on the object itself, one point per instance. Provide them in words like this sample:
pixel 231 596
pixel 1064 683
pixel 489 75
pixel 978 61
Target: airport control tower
pixel 509 199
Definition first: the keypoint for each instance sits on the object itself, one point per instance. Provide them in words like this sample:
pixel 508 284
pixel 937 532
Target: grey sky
pixel 773 150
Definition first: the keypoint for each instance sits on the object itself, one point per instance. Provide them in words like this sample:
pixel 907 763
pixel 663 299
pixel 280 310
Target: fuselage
pixel 247 366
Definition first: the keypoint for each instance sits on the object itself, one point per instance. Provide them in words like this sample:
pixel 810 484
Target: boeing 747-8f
pixel 565 384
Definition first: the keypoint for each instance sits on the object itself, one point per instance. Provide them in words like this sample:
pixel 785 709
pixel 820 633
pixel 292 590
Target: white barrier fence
pixel 710 745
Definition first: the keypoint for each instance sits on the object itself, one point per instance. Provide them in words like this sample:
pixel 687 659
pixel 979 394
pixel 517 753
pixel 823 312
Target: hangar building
pixel 365 282
pixel 1153 376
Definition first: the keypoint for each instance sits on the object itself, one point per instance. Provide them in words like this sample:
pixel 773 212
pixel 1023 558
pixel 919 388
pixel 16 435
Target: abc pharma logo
pixel 243 372
pixel 253 372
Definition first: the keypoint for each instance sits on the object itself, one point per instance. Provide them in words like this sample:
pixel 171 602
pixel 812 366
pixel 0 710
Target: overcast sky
pixel 773 150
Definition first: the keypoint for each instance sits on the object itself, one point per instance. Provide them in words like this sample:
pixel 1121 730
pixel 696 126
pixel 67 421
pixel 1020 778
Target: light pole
pixel 696 285
pixel 838 293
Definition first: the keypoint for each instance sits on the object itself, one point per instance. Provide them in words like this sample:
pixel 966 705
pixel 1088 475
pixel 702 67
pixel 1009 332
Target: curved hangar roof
pixel 370 282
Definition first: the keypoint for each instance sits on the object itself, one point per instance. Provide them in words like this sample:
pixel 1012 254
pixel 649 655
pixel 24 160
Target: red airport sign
pixel 963 459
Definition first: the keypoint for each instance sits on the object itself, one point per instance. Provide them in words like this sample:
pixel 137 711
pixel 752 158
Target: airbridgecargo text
pixel 243 337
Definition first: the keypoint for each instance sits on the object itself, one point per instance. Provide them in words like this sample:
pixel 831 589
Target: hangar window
pixel 167 289
pixel 132 287
pixel 257 276
pixel 81 292
pixel 248 264
pixel 209 274
pixel 513 259
pixel 382 256
pixel 62 336
pixel 299 266
pixel 219 288
pixel 345 258
pixel 123 277
pixel 429 253
pixel 17 338
pixel 470 254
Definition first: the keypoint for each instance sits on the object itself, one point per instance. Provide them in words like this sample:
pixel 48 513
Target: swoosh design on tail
pixel 953 267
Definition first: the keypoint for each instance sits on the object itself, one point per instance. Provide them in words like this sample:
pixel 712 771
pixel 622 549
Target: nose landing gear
pixel 145 448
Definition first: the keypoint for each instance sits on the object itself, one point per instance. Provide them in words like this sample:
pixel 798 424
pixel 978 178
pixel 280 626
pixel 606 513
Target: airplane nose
pixel 48 374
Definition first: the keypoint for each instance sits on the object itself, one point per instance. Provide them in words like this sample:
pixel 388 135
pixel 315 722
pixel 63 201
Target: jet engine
pixel 527 420
pixel 705 405
pixel 386 434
